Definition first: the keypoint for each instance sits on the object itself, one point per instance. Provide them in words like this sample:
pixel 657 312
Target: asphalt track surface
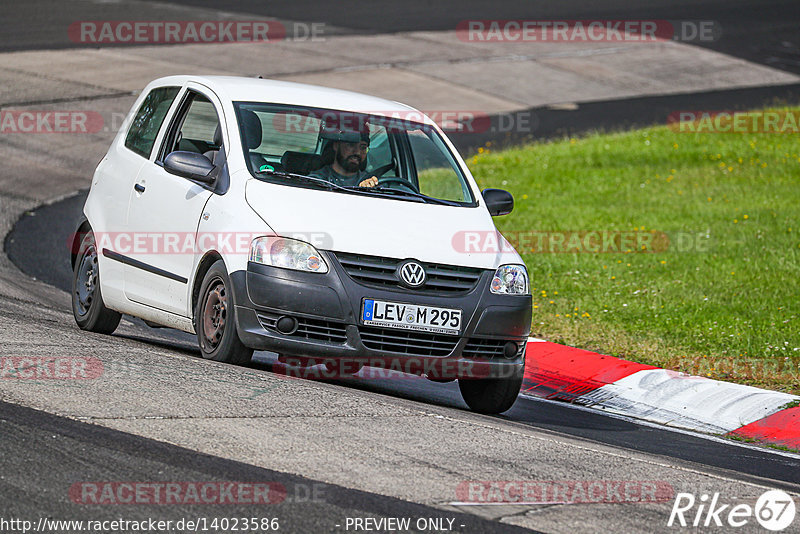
pixel 764 32
pixel 303 505
pixel 617 115
pixel 41 232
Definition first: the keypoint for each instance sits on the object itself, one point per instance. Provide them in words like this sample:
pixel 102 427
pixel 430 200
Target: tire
pixel 215 319
pixel 490 395
pixel 87 300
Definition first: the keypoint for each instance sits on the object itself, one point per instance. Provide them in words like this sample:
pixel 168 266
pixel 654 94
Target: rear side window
pixel 144 128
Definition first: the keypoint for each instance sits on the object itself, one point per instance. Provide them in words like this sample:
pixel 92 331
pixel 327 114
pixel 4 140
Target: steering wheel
pixel 380 171
pixel 401 181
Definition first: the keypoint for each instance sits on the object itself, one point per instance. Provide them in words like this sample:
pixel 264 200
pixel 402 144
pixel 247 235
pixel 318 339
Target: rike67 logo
pixel 774 510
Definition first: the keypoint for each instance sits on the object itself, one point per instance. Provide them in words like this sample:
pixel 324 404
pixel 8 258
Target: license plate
pixel 411 317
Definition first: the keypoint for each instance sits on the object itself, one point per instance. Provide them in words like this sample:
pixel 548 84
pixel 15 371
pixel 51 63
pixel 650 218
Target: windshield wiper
pixel 413 194
pixel 302 177
pixel 357 189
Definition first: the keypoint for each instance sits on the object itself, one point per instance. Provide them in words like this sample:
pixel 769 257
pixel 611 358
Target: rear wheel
pixel 490 395
pixel 215 319
pixel 87 301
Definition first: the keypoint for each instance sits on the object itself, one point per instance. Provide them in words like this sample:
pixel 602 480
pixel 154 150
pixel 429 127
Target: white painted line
pixel 536 340
pixel 515 503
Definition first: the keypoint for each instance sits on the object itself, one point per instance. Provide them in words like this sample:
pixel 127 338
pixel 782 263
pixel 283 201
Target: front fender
pixel 80 227
pixel 225 229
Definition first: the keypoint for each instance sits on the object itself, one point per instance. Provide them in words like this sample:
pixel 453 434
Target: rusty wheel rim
pixel 215 314
pixel 86 283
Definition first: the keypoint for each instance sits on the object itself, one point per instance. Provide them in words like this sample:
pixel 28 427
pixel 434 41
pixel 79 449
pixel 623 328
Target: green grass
pixel 723 303
pixel 754 441
pixel 441 182
pixel 793 404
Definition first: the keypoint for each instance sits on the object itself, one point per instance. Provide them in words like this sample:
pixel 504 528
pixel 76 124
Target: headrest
pixel 300 162
pixel 251 125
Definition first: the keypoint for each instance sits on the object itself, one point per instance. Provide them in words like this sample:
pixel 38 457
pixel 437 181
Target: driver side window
pixel 195 128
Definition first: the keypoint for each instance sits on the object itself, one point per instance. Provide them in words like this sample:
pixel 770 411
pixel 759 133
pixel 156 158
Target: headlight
pixel 510 280
pixel 287 253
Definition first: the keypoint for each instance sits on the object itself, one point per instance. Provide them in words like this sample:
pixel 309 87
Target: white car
pixel 222 209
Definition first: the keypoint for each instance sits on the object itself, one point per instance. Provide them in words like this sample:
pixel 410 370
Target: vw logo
pixel 412 274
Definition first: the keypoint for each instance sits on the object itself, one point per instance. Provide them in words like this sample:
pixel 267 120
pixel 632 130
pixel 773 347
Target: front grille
pixel 487 348
pixel 407 342
pixel 483 348
pixel 380 272
pixel 312 329
pixel 321 330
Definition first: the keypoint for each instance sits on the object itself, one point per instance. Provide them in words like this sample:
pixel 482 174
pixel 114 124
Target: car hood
pixel 377 226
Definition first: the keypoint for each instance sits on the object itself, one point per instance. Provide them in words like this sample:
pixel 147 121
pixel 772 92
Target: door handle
pixel 139 188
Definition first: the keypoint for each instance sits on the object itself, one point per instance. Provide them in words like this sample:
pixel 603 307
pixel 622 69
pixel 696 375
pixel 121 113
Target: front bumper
pixel 328 310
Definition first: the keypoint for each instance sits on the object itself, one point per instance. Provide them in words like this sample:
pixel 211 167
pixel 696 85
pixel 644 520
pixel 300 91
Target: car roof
pixel 239 88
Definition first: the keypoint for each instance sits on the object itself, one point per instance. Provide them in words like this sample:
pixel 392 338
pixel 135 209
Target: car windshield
pixel 288 144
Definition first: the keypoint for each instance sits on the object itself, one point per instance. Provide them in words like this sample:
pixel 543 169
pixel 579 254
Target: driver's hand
pixel 369 182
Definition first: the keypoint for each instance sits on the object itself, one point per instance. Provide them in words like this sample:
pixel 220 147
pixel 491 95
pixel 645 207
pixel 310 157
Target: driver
pixel 348 149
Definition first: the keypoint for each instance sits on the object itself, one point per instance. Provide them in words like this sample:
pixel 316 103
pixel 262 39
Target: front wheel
pixel 215 319
pixel 490 395
pixel 87 301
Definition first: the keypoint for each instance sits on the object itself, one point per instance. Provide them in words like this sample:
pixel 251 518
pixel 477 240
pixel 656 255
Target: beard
pixel 350 164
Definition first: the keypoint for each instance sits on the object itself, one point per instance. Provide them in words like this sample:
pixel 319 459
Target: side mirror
pixel 498 201
pixel 190 165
